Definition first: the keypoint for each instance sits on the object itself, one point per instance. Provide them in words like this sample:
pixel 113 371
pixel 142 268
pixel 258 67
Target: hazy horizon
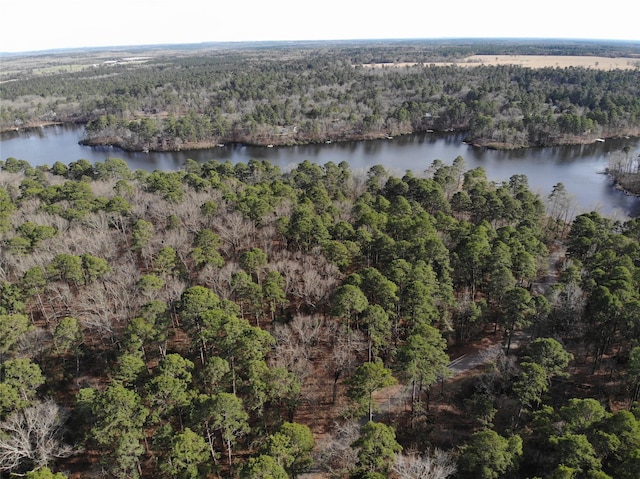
pixel 151 46
pixel 70 24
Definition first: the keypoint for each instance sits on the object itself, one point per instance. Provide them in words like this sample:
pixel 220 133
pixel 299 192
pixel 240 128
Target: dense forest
pixel 241 321
pixel 284 94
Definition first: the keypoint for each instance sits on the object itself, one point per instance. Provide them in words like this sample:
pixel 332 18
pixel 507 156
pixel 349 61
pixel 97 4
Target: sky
pixel 48 24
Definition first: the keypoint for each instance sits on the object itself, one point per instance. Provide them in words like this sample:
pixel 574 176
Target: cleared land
pixel 536 61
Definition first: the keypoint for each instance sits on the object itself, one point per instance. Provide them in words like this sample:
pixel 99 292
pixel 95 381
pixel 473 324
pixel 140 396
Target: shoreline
pixel 118 142
pixel 629 188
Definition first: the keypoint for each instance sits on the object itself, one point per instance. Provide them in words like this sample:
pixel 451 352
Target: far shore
pixel 170 146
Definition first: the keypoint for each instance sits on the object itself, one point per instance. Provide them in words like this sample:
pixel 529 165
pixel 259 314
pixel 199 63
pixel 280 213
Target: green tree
pixel 423 359
pixel 195 302
pixel 517 311
pixel 205 249
pixel 67 267
pixel 142 234
pixel 488 455
pixel 253 261
pixel 169 389
pixel 621 437
pixel 166 261
pixel 581 415
pixel 225 413
pixel 634 373
pixel 67 335
pixel 273 291
pixel 550 354
pixel 94 268
pixel 263 467
pixel 112 169
pixel 366 379
pixel 118 418
pixel 35 233
pixel 531 384
pixel 348 302
pixel 189 451
pixel 470 256
pixel 377 449
pixel 248 294
pixel 20 379
pixel 6 209
pixel 12 328
pixel 239 343
pixel 168 184
pixel 128 368
pixel 44 473
pixel 378 327
pixel 150 284
pixel 575 451
pixel 291 447
pixel 378 289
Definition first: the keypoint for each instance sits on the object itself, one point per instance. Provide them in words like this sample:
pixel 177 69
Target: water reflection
pixel 576 166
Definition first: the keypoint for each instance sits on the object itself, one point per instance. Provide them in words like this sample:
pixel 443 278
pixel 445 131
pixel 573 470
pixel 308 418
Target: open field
pixel 537 61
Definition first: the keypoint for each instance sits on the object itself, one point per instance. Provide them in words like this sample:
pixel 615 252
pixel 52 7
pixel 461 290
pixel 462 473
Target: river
pixel 577 166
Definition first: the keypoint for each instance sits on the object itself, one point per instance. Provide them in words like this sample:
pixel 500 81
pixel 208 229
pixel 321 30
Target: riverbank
pixel 175 145
pixel 163 145
pixel 564 140
pixel 629 183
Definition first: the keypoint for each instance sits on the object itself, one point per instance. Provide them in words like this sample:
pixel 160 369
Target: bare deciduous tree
pixel 295 344
pixel 347 348
pixel 59 299
pixel 235 231
pixel 31 437
pixel 219 279
pixel 310 330
pixel 335 454
pixel 436 465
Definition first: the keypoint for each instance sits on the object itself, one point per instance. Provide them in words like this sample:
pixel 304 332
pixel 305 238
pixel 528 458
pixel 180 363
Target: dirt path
pixel 478 353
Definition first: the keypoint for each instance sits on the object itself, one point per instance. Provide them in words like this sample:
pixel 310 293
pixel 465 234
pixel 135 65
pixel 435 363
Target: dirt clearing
pixel 535 61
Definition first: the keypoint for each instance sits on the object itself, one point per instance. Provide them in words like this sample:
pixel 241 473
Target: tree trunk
pixel 210 441
pixel 229 454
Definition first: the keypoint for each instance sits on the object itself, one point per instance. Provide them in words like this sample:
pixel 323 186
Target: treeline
pixel 207 322
pixel 314 93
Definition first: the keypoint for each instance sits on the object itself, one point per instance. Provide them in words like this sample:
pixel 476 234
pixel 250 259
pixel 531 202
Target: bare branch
pixel 31 436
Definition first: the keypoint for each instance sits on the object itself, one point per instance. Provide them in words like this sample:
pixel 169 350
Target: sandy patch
pixel 534 61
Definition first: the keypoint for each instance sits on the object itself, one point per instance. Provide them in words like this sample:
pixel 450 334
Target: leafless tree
pixel 284 262
pixel 266 236
pixel 180 240
pixel 347 348
pixel 295 344
pixel 310 330
pixel 59 299
pixel 335 454
pixel 33 436
pixel 173 289
pixel 34 342
pixel 436 465
pixel 236 232
pixel 94 309
pixel 189 210
pixel 312 279
pixel 290 354
pixel 219 279
pixel 345 211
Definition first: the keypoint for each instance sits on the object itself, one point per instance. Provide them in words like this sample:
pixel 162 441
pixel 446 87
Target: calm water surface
pixel 575 166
